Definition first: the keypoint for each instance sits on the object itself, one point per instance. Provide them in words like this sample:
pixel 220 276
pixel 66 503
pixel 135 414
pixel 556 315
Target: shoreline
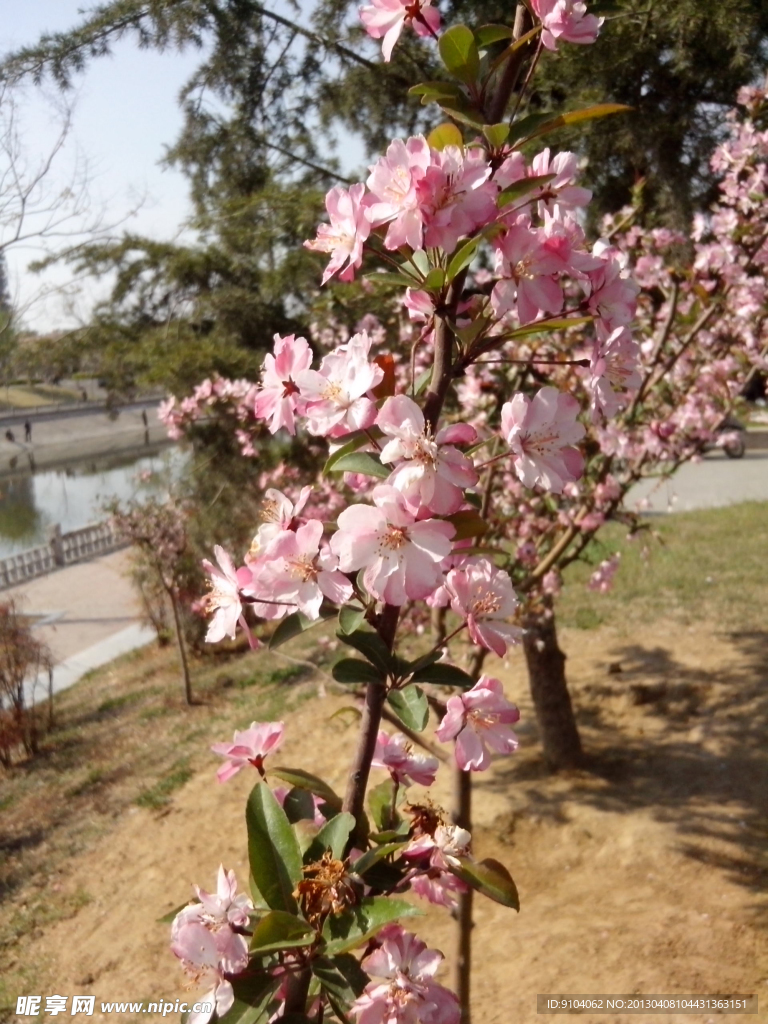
pixel 68 439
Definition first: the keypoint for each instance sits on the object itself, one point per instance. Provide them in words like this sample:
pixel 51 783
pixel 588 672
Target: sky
pixel 125 113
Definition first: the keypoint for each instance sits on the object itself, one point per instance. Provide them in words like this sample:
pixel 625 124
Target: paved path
pixel 88 614
pixel 712 483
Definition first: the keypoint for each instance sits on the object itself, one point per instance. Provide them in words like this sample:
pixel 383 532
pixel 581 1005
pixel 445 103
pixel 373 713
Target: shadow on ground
pixel 688 743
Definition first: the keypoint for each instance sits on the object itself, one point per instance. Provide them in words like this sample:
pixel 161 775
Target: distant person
pixel 144 417
pixel 27 431
pixel 84 394
pixel 9 436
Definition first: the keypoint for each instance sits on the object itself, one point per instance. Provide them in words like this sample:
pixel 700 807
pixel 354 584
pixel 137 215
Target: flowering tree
pixel 158 531
pixel 651 400
pixel 413 496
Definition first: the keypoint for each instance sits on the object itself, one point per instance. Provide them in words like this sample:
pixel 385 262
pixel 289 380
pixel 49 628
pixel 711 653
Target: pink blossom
pixel 613 295
pixel 445 848
pixel 602 578
pixel 560 191
pixel 408 994
pixel 226 905
pixel 430 471
pixel 540 433
pixel 296 573
pixel 483 596
pixel 207 957
pixel 394 199
pixel 250 746
pixel 439 887
pixel 278 514
pixel 335 396
pixel 202 937
pixel 345 236
pixel 401 556
pixel 529 272
pixel 479 719
pixel 566 20
pixel 614 370
pixel 397 756
pixel 385 18
pixel 552 583
pixel 278 398
pixel 224 597
pixel 455 197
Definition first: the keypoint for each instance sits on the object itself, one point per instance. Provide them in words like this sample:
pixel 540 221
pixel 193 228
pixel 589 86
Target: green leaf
pixel 468 523
pixel 371 857
pixel 491 879
pixel 351 617
pixel 486 35
pixel 332 836
pixel 431 92
pixel 521 188
pixel 551 124
pixel 547 327
pixel 299 805
pixel 353 670
pixel 273 850
pixel 357 925
pixel 254 999
pixel 411 707
pixel 304 780
pixel 426 659
pixel 446 134
pixel 525 126
pixel 372 647
pixel 496 134
pixel 357 440
pixel 464 111
pixel 296 624
pixel 422 380
pixel 463 257
pixel 361 462
pixel 342 980
pixel 380 800
pixel 459 53
pixel 435 279
pixel 444 675
pixel 472 330
pixel 279 930
pixel 171 915
pixel 391 277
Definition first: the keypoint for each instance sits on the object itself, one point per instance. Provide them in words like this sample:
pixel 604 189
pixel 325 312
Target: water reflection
pixel 32 502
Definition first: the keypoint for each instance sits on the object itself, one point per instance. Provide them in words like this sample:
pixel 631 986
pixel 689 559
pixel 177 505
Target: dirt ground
pixel 644 874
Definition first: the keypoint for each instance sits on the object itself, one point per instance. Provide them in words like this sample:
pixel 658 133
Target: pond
pixel 32 502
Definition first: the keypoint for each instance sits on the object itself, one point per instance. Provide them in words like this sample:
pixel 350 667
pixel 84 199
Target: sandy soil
pixel 644 874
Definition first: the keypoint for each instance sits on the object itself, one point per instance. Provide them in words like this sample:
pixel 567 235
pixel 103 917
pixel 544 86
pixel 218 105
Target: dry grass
pixel 123 737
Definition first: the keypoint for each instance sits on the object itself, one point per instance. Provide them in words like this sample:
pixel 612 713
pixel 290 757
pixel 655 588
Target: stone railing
pixel 62 549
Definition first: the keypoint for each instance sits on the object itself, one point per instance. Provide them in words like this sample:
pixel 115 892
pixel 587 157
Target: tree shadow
pixel 693 750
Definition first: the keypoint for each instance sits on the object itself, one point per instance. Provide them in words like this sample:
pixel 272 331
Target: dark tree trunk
pixel 178 628
pixel 549 690
pixel 462 816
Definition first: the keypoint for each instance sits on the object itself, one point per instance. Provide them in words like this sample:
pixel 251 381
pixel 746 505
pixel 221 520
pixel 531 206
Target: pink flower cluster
pixel 478 720
pixel 211 951
pixel 406 992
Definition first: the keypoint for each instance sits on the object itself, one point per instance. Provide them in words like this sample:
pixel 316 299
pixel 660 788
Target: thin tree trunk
pixel 462 967
pixel 549 690
pixel 182 649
